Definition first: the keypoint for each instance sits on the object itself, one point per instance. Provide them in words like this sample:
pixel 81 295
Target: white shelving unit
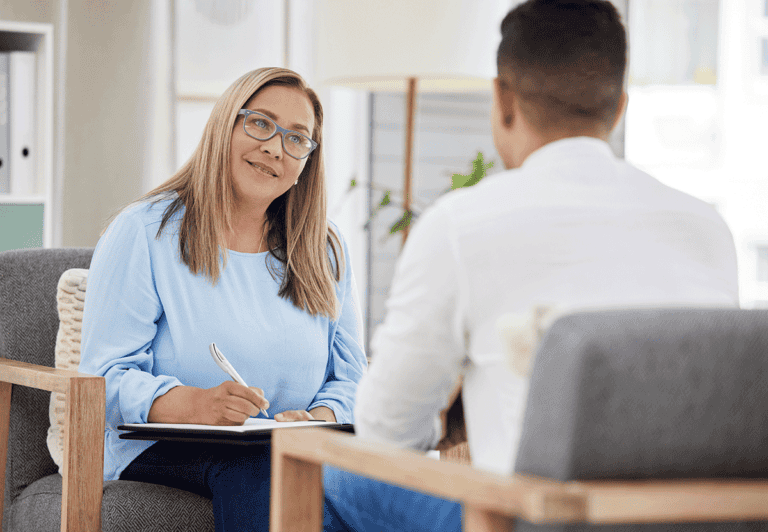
pixel 38 38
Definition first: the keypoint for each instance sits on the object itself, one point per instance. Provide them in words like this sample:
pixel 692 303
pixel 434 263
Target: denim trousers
pixel 363 505
pixel 235 477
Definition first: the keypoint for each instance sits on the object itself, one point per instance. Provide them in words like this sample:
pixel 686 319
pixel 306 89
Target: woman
pixel 233 249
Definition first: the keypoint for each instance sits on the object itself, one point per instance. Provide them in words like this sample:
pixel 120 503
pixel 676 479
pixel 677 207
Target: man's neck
pixel 534 142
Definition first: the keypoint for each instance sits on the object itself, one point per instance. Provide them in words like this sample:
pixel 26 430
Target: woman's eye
pixel 296 139
pixel 261 123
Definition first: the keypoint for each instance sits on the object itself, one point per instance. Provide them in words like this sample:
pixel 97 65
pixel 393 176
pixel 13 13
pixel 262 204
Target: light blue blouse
pixel 148 322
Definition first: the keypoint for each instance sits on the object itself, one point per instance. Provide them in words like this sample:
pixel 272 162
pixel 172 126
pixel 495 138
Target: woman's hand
pixel 320 413
pixel 294 415
pixel 229 403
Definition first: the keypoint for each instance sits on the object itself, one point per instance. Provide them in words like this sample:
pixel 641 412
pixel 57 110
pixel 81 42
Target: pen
pixel 224 364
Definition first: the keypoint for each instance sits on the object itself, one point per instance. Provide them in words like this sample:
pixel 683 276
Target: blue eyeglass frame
pixel 278 129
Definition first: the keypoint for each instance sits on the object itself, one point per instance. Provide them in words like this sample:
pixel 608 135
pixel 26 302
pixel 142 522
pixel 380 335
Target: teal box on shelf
pixel 21 226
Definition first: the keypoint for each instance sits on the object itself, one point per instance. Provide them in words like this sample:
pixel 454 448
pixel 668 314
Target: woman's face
pixel 261 169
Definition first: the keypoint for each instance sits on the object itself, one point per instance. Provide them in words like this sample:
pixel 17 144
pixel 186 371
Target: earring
pixel 296 183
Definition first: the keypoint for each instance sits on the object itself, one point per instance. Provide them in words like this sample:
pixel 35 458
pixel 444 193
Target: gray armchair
pixel 35 495
pixel 652 420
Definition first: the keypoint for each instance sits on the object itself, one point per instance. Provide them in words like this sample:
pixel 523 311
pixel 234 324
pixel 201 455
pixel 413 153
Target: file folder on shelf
pixel 5 176
pixel 22 76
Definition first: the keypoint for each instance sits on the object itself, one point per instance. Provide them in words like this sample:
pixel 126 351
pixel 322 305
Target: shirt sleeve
pixel 417 353
pixel 120 317
pixel 347 361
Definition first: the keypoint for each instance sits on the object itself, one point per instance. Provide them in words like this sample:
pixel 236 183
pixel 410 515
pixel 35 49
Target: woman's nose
pixel 273 146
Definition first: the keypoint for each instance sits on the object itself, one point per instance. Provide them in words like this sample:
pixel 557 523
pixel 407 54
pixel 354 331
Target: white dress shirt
pixel 573 227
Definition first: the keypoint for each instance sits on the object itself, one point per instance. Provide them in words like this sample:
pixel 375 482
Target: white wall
pixel 116 110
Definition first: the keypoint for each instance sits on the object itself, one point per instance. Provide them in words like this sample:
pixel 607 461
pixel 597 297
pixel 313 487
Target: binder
pixel 5 176
pixel 254 431
pixel 22 77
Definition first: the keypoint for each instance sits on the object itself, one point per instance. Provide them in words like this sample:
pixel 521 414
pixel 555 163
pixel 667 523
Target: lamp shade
pixel 377 45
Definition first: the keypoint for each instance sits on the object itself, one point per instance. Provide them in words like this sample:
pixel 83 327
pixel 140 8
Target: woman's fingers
pixel 251 394
pixel 294 415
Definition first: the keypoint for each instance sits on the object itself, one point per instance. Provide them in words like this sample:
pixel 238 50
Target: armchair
pixel 657 418
pixel 35 496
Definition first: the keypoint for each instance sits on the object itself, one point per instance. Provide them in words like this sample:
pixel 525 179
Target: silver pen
pixel 224 364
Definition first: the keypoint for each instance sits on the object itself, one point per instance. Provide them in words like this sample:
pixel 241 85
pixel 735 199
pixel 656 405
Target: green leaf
pixel 385 200
pixel 402 223
pixel 353 183
pixel 479 168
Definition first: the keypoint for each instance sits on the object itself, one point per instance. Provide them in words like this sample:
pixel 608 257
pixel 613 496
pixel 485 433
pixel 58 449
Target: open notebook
pixel 254 430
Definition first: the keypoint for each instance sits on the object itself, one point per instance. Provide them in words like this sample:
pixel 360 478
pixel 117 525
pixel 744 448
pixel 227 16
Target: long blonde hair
pixel 299 236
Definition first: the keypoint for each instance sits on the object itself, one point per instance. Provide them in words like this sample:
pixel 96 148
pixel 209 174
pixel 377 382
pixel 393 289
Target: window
pixel 762 264
pixel 689 27
pixel 451 129
pixel 764 56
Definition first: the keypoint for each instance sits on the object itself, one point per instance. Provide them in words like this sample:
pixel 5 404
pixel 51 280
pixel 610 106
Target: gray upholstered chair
pixel 652 420
pixel 33 488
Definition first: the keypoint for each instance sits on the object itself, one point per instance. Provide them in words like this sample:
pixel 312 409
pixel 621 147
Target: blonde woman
pixel 234 249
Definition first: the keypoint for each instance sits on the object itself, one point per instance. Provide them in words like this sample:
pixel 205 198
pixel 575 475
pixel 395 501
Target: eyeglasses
pixel 261 127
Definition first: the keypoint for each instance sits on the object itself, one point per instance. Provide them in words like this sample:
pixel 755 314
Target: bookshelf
pixel 26 219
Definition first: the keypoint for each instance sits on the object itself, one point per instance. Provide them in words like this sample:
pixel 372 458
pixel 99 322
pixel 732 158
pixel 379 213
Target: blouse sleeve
pixel 120 317
pixel 347 362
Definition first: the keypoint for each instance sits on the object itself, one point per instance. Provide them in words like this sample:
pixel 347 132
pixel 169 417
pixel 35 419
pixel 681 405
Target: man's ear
pixel 505 102
pixel 620 109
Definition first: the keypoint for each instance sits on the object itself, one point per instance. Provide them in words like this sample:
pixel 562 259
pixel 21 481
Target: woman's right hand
pixel 229 403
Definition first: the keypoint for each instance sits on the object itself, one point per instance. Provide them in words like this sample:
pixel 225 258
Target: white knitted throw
pixel 70 296
pixel 522 333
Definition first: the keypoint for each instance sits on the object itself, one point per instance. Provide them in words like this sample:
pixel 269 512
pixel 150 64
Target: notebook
pixel 254 430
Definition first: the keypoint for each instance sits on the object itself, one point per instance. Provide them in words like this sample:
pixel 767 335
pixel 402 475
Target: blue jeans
pixel 236 478
pixel 366 505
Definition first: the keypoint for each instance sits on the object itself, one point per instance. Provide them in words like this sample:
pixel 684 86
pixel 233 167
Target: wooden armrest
pixel 489 500
pixel 40 377
pixel 675 501
pixel 83 468
pixel 296 480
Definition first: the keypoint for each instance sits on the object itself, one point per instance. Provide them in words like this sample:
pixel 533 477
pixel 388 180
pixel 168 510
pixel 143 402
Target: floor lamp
pixel 409 46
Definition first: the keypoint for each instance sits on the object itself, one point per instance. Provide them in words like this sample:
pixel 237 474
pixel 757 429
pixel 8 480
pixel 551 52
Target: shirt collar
pixel 568 148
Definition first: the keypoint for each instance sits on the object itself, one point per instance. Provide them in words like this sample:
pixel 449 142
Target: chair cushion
pixel 126 507
pixel 70 296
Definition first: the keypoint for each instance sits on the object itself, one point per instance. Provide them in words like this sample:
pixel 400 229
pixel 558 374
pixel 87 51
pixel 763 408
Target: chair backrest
pixel 28 325
pixel 634 394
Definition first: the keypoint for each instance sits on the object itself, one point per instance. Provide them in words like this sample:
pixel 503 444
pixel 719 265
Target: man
pixel 568 225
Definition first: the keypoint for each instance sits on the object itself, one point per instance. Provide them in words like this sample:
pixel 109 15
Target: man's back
pixel 574 227
pixel 571 227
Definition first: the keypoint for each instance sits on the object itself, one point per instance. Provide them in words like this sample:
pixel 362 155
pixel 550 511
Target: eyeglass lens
pixel 262 128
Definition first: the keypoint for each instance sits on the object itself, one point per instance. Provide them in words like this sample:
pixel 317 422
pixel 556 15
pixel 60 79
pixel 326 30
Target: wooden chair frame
pixel 83 477
pixel 492 502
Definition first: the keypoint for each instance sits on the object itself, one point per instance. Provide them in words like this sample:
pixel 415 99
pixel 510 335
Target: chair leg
pixel 297 495
pixel 480 520
pixel 5 418
pixel 83 478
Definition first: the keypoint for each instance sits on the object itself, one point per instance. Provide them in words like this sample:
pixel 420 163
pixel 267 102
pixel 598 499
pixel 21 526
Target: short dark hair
pixel 565 59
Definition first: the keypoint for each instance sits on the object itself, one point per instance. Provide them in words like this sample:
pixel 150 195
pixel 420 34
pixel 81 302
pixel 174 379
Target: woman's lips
pixel 264 168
